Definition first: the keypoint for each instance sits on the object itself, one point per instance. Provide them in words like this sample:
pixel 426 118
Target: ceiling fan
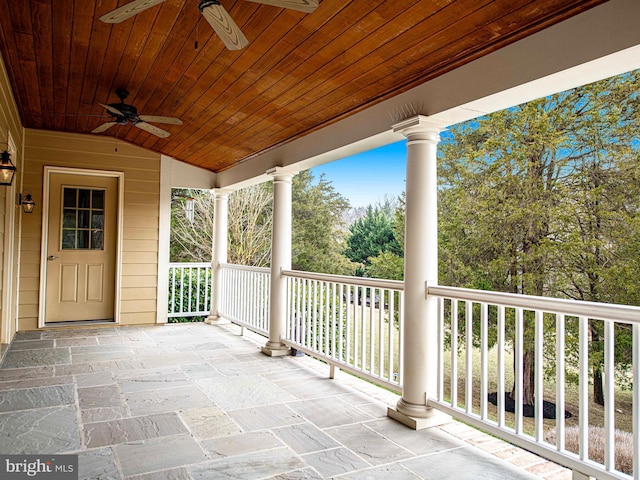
pixel 214 13
pixel 124 113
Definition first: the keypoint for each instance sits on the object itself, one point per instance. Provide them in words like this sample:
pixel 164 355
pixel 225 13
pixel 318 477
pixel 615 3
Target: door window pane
pixel 68 239
pixel 70 197
pixel 82 223
pixel 84 198
pixel 96 240
pixel 83 240
pixel 69 220
pixel 98 199
pixel 83 219
pixel 97 220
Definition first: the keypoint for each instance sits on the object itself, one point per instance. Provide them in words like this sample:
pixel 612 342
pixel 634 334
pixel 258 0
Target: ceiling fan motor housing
pixel 207 3
pixel 123 114
pixel 130 113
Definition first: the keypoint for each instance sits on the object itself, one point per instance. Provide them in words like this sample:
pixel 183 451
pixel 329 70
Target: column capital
pixel 282 173
pixel 420 124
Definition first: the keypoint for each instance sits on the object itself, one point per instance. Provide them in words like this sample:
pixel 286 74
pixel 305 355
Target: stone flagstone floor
pixel 193 401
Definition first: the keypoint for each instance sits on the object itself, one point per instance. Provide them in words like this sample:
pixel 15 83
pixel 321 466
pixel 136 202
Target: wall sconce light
pixel 7 169
pixel 27 202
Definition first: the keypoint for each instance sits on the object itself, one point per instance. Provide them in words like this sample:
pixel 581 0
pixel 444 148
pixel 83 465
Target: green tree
pixel 601 210
pixel 370 236
pixel 398 220
pixel 390 265
pixel 318 228
pixel 387 265
pixel 522 199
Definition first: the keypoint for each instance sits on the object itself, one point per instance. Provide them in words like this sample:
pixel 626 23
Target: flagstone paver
pixel 194 401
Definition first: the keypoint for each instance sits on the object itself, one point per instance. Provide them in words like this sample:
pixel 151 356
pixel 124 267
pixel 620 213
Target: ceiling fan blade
pixel 223 24
pixel 129 10
pixel 113 110
pixel 152 129
pixel 306 6
pixel 157 119
pixel 104 127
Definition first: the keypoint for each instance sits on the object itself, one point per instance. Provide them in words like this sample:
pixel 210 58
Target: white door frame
pixel 48 171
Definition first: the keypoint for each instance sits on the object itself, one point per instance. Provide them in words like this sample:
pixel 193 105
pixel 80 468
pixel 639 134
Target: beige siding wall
pixel 10 123
pixel 140 218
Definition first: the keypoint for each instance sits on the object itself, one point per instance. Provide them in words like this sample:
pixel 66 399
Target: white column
pixel 280 260
pixel 219 253
pixel 420 269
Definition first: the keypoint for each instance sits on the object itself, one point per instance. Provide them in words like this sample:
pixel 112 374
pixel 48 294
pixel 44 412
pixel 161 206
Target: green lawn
pixel 623 398
pixel 361 319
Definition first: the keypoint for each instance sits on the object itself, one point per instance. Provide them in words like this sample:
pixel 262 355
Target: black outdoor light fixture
pixel 7 169
pixel 27 202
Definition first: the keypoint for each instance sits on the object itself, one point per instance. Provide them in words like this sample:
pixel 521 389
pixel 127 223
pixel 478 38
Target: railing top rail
pixel 246 268
pixel 604 311
pixel 189 264
pixel 357 281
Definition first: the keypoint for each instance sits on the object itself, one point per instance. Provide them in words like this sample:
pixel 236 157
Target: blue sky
pixel 366 178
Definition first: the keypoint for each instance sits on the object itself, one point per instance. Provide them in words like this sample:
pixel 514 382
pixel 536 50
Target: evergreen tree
pixel 370 236
pixel 387 265
pixel 390 265
pixel 318 228
pixel 532 201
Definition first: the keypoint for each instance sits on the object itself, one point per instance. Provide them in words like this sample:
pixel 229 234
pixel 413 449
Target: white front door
pixel 81 248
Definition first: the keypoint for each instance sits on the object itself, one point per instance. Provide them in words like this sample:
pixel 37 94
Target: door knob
pixel 51 257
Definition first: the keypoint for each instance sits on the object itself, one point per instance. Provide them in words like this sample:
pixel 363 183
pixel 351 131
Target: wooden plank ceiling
pixel 299 73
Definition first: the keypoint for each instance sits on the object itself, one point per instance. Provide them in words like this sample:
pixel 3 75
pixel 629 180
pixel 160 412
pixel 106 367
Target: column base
pixel 215 320
pixel 417 417
pixel 273 349
pixel 580 476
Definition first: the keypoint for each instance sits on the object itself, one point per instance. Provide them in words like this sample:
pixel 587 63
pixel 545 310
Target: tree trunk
pixel 528 378
pixel 598 390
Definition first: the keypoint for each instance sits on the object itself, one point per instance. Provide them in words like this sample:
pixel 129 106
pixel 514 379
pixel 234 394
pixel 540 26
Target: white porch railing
pixel 356 324
pixel 189 289
pixel 469 317
pixel 245 296
pixel 350 322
